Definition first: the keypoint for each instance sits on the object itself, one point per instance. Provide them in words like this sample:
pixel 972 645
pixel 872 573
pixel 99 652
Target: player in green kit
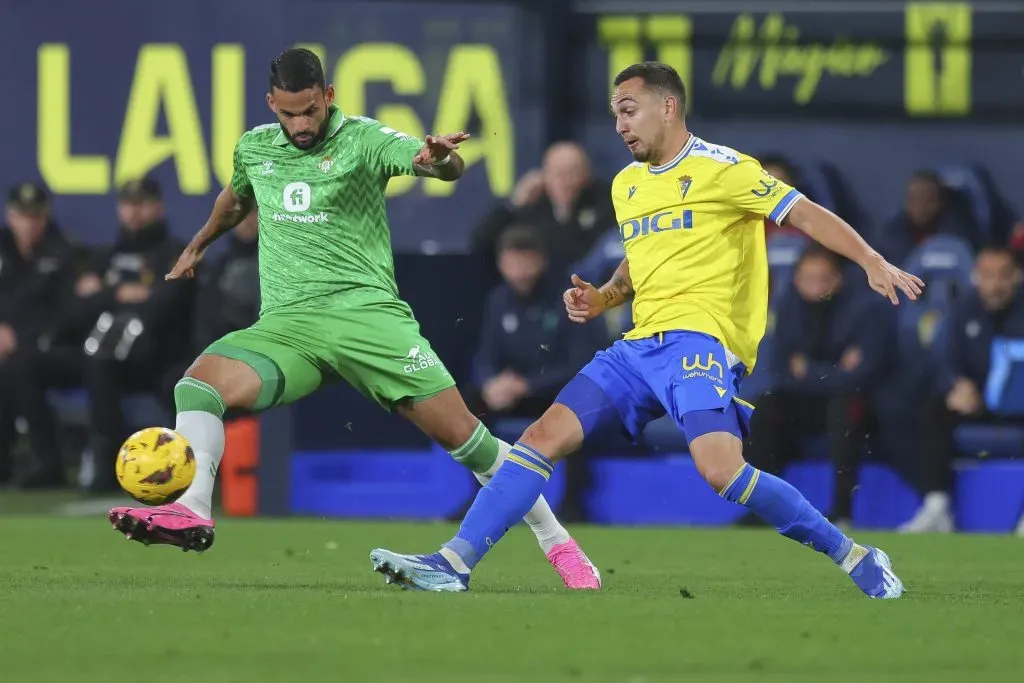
pixel 330 305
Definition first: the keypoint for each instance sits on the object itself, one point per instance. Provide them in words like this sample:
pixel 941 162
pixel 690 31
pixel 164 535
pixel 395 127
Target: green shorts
pixel 376 347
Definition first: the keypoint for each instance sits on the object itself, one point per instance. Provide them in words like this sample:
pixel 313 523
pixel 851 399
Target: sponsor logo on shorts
pixel 418 359
pixel 709 369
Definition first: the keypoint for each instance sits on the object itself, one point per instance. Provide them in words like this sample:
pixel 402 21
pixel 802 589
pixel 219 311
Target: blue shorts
pixel 684 374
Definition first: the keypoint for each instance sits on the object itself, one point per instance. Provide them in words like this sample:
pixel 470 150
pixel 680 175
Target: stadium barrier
pixel 656 491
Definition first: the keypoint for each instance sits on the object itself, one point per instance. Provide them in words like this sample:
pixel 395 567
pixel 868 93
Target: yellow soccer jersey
pixel 693 231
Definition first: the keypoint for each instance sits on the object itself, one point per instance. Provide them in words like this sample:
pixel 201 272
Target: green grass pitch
pixel 295 600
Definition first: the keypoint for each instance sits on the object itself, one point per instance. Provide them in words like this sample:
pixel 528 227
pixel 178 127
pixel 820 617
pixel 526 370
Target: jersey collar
pixel 655 170
pixel 334 123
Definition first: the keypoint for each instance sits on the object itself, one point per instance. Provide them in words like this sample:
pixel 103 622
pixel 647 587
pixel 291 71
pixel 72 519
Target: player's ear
pixel 270 102
pixel 671 108
pixel 329 94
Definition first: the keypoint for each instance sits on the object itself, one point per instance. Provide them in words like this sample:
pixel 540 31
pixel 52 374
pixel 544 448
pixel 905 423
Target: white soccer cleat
pixel 875 577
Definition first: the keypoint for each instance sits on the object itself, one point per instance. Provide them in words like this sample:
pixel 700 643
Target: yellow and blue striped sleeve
pixel 750 188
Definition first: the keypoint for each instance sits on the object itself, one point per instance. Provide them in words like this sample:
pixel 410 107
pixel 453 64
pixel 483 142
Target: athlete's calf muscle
pixel 444 417
pixel 237 383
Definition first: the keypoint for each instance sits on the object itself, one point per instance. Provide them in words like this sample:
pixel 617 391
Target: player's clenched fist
pixel 583 301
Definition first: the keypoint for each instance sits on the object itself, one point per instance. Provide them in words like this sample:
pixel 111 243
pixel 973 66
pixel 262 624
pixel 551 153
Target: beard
pixel 641 152
pixel 315 137
pixel 642 155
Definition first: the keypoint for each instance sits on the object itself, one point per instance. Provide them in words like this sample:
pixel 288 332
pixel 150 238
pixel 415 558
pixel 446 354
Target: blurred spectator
pixel 926 212
pixel 229 288
pixel 569 209
pixel 227 297
pixel 1017 242
pixel 37 271
pixel 994 308
pixel 528 347
pixel 778 166
pixel 830 348
pixel 141 323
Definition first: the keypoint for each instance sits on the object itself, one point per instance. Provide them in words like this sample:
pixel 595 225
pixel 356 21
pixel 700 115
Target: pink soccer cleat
pixel 573 565
pixel 172 524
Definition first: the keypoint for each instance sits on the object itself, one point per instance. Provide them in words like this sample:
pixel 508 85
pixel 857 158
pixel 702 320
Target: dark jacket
pixel 228 297
pixel 897 238
pixel 591 217
pixel 33 291
pixel 534 338
pixel 142 257
pixel 852 318
pixel 968 339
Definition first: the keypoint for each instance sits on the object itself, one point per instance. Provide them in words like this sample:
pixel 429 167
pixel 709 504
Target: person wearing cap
pixel 139 323
pixel 37 270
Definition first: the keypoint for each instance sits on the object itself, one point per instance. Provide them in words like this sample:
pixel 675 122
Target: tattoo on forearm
pixel 618 289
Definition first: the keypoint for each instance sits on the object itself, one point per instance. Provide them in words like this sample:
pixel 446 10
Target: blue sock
pixel 785 508
pixel 508 496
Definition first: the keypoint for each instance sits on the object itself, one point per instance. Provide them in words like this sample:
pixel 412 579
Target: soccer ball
pixel 156 465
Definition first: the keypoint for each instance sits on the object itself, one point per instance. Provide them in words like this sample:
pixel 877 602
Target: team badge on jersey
pixel 684 186
pixel 268 167
pixel 326 164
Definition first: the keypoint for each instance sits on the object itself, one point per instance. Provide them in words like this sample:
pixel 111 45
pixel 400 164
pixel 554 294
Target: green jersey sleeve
pixel 240 184
pixel 389 151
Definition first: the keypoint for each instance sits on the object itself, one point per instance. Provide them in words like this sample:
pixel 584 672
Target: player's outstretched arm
pixel 228 211
pixel 584 301
pixel 833 232
pixel 438 158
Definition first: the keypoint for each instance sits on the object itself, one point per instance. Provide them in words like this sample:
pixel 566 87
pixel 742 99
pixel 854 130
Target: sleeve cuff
pixel 784 206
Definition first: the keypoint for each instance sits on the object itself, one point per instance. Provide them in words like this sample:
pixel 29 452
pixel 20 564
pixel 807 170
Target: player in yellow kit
pixel 691 216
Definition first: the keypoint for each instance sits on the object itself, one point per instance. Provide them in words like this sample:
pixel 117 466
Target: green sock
pixel 479 453
pixel 192 394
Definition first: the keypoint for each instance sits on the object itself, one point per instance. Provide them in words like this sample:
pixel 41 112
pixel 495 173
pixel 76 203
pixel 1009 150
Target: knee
pixel 719 476
pixel 718 458
pixel 237 384
pixel 556 434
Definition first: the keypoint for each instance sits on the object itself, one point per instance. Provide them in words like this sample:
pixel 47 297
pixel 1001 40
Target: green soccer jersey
pixel 324 237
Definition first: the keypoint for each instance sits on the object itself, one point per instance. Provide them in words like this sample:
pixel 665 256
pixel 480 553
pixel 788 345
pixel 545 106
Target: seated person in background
pixel 831 348
pixel 995 307
pixel 227 297
pixel 569 209
pixel 926 212
pixel 141 323
pixel 528 347
pixel 37 271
